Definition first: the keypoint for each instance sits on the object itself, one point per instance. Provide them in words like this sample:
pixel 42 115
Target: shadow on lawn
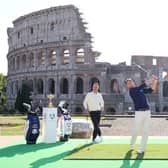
pixel 11 151
pixel 48 160
pixel 78 149
pixel 137 161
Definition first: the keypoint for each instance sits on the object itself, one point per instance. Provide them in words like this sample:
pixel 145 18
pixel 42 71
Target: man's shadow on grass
pixel 55 158
pixel 47 160
pixel 20 149
pixel 137 161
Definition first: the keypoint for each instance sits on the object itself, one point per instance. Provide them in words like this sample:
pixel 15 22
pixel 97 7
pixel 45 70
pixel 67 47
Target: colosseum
pixel 52 52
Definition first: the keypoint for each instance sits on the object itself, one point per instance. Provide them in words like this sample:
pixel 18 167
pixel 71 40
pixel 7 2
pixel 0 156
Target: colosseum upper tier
pixel 51 51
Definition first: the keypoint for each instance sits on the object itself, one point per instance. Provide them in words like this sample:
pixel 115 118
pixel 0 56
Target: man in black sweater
pixel 142 111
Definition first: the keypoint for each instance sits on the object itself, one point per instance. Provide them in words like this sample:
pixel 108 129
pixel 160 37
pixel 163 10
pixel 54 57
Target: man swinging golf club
pixel 142 111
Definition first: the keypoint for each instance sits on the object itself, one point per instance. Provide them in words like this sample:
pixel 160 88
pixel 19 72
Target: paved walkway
pixel 123 127
pixel 6 140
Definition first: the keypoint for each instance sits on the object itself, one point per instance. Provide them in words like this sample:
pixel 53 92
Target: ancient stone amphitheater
pixel 52 52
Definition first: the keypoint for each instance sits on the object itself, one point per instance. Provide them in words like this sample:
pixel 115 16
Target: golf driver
pixel 140 67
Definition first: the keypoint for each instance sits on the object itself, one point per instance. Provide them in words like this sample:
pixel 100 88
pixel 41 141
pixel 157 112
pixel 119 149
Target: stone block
pixel 81 128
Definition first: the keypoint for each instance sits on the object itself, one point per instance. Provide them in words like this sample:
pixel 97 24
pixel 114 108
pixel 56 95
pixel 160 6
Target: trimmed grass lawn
pixel 119 151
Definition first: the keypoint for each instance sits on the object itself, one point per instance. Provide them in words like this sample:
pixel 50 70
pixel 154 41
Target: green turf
pixel 117 151
pixel 44 155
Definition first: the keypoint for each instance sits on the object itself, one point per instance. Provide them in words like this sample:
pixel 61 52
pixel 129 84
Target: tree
pixel 23 97
pixel 3 83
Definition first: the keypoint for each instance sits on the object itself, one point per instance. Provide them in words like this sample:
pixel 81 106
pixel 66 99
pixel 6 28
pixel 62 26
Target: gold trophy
pixel 50 97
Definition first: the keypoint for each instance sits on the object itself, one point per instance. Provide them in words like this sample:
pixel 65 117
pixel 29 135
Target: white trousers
pixel 141 123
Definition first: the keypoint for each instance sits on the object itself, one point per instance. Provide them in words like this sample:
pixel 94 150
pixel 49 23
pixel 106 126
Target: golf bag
pixel 32 125
pixel 64 121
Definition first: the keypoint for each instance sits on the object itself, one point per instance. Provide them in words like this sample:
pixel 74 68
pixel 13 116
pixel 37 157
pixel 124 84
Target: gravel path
pixel 123 127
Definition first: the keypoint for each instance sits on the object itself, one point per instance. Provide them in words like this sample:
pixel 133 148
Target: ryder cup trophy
pixel 50 97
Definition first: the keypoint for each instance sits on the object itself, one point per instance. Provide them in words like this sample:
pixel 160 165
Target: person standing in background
pixel 94 104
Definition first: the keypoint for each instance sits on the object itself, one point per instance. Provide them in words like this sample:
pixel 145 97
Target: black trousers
pixel 95 117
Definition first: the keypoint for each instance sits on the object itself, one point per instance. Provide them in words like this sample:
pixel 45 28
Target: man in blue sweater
pixel 142 111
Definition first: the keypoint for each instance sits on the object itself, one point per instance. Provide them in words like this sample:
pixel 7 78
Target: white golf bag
pixel 64 121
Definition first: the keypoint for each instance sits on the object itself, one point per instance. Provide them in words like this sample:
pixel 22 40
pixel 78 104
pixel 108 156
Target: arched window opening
pixel 64 86
pixel 80 56
pixel 66 57
pixel 41 58
pixel 114 86
pixel 40 86
pixel 51 86
pixel 79 86
pixel 165 89
pixel 53 57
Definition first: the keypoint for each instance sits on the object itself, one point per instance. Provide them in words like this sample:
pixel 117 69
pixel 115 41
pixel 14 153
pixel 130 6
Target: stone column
pixel 15 63
pixel 44 87
pixel 102 82
pixel 27 61
pixel 71 80
pixel 86 84
pixel 58 57
pixel 72 57
pixel 160 89
pixel 57 92
pixel 46 55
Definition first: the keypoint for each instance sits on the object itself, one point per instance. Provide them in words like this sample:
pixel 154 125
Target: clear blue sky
pixel 120 28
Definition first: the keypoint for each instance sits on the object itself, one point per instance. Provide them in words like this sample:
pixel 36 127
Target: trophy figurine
pixel 50 97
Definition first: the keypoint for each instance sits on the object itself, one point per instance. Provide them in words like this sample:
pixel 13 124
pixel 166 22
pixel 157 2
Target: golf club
pixel 140 67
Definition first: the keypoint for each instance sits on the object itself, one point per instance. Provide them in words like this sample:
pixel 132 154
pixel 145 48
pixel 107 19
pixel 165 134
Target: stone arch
pixel 80 56
pixel 52 26
pixel 114 86
pixel 165 89
pixel 78 110
pixel 41 58
pixel 92 80
pixel 64 86
pixel 165 109
pixel 51 86
pixel 30 84
pixel 52 57
pixel 40 86
pixel 111 110
pixel 23 62
pixel 31 60
pixel 66 56
pixel 79 85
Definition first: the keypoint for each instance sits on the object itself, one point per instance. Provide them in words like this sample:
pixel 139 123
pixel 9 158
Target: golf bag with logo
pixel 32 125
pixel 64 121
